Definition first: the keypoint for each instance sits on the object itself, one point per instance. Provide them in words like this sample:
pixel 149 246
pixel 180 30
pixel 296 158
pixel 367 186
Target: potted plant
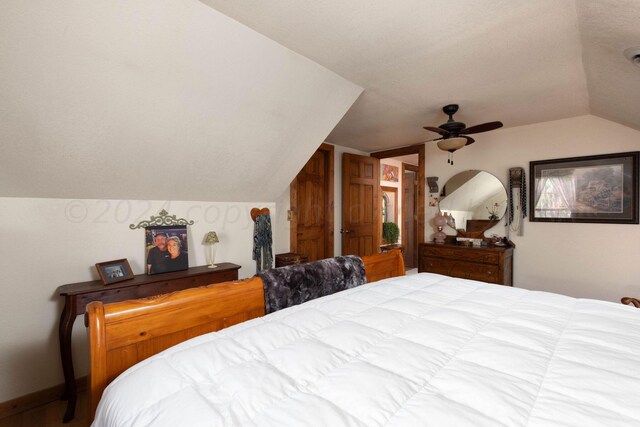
pixel 390 232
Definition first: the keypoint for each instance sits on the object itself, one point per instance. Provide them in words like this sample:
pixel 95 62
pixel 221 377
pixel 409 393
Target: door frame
pixel 403 151
pixel 328 152
pixel 416 169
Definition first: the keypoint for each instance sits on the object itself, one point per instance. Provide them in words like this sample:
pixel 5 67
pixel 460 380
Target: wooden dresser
pixel 492 264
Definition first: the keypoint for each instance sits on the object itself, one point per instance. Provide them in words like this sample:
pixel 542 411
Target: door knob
pixel 344 231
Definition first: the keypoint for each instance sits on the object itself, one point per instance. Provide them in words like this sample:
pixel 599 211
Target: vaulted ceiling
pixel 518 61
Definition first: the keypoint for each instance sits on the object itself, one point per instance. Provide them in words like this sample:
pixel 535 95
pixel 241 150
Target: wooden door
pixel 361 214
pixel 410 215
pixel 312 205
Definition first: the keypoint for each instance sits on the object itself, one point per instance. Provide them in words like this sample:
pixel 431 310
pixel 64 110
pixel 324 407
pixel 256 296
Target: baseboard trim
pixel 38 398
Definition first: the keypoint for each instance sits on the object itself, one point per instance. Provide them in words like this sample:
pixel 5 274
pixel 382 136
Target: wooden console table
pixel 78 295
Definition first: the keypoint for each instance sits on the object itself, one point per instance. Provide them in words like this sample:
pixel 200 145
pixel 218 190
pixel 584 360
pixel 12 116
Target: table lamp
pixel 440 221
pixel 211 238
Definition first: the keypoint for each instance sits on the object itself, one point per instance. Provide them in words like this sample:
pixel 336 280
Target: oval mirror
pixel 476 200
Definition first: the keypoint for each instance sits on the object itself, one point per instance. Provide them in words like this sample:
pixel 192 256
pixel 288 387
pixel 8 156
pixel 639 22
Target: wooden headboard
pixel 124 333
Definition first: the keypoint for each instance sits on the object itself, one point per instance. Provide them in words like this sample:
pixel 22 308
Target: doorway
pixel 413 225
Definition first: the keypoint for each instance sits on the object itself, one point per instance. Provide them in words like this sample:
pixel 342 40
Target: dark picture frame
pixel 589 189
pixel 160 259
pixel 114 271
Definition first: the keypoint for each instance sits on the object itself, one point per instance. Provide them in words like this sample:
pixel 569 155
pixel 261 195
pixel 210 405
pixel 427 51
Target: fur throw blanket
pixel 295 284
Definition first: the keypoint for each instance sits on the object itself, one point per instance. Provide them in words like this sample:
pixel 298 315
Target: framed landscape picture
pixel 597 189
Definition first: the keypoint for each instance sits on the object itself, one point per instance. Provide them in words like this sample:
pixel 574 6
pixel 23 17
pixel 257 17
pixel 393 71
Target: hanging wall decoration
pixel 163 218
pixel 517 201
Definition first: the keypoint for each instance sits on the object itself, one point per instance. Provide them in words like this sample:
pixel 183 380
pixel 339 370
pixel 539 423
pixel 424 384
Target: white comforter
pixel 423 350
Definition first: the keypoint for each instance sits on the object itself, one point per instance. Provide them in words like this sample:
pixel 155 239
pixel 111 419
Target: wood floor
pixel 50 415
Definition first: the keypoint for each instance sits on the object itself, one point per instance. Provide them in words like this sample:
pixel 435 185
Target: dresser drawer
pixel 486 264
pixel 463 269
pixel 467 254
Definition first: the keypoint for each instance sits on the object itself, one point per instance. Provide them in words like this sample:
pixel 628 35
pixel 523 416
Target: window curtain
pixel 556 193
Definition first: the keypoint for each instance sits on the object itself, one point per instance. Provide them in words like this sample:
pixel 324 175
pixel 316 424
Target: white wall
pixel 582 260
pixel 51 242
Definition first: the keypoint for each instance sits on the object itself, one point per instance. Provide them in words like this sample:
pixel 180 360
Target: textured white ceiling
pixel 518 61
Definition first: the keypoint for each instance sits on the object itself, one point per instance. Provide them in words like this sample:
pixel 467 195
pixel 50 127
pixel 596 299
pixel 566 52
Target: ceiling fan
pixel 453 134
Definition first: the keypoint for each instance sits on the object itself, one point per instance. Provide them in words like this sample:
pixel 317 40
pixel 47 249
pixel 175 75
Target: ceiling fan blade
pixel 484 127
pixel 442 132
pixel 469 139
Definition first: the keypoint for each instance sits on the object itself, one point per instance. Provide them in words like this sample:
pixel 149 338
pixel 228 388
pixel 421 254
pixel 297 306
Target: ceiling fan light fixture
pixel 633 55
pixel 452 144
pixel 454 134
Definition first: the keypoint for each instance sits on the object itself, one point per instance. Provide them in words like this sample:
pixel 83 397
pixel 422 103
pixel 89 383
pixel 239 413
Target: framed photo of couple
pixel 166 248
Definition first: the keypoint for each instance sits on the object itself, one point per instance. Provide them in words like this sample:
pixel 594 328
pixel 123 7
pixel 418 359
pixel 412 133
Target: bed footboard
pixel 124 333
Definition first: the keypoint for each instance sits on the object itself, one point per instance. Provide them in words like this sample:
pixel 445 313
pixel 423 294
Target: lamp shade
pixel 210 238
pixel 440 220
pixel 452 144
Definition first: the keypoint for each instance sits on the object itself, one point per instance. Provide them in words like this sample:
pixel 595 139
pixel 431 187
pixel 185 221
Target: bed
pixel 424 349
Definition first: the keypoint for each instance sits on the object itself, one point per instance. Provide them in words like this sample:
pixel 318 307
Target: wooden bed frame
pixel 124 333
